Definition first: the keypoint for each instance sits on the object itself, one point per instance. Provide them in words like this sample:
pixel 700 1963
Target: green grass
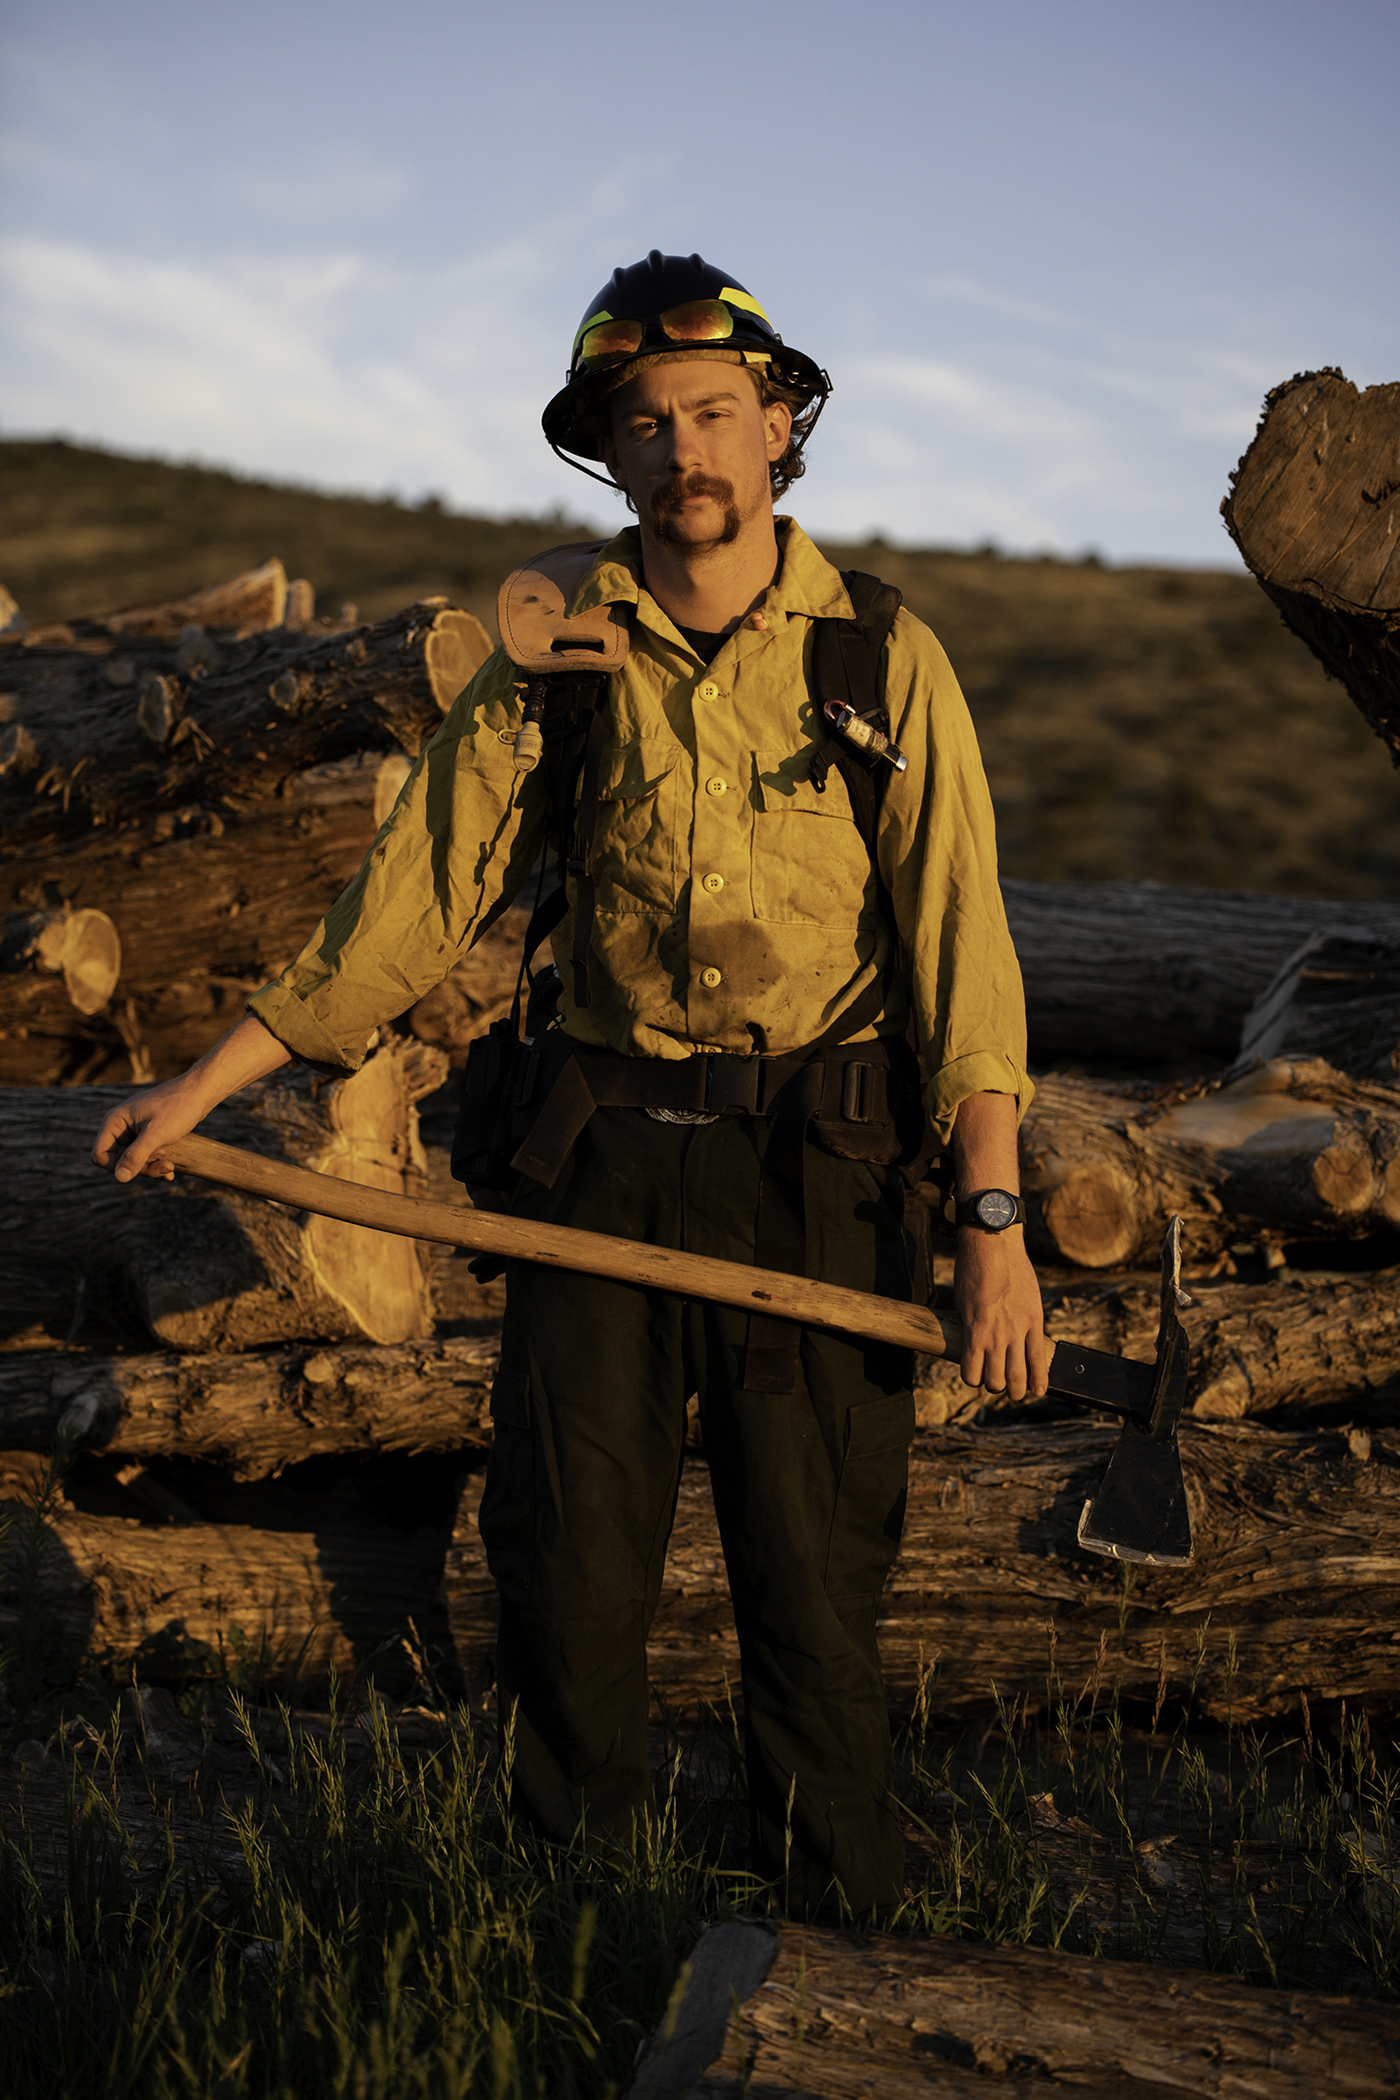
pixel 354 1916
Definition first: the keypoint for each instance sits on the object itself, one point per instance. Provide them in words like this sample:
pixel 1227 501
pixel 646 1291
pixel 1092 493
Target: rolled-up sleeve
pixel 446 862
pixel 937 854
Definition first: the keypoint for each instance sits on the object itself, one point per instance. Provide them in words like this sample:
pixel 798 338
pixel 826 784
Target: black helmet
pixel 665 304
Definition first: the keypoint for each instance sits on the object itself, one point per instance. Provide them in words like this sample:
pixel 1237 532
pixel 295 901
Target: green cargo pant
pixel 809 1488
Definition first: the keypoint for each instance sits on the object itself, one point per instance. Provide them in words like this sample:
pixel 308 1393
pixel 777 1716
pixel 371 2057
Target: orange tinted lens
pixel 610 339
pixel 701 321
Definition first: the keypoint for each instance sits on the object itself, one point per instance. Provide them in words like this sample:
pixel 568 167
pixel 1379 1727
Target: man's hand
pixel 134 1132
pixel 998 1301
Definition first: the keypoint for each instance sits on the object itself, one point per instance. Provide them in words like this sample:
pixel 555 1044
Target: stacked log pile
pixel 204 788
pixel 274 1426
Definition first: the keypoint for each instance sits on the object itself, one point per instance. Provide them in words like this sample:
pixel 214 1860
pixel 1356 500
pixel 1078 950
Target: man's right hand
pixel 134 1134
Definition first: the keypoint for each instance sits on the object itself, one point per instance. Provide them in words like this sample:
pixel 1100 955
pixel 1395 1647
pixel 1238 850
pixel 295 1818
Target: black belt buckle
pixel 731 1085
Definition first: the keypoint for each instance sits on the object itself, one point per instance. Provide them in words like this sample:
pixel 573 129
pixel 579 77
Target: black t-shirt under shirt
pixel 706 646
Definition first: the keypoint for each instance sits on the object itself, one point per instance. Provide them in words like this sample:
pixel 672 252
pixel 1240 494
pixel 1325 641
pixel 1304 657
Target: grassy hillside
pixel 1151 723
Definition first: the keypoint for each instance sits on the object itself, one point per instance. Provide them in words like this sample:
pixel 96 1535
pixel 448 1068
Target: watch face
pixel 996 1209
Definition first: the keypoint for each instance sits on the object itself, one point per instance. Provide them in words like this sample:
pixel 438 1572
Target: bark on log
pixel 205 1269
pixel 790 2012
pixel 215 850
pixel 1144 972
pixel 266 707
pixel 255 1415
pixel 1297 1353
pixel 1293 1150
pixel 1298 1555
pixel 1297 1552
pixel 1314 508
pixel 1338 998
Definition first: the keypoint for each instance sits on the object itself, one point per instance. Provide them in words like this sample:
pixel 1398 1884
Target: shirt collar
pixel 808 585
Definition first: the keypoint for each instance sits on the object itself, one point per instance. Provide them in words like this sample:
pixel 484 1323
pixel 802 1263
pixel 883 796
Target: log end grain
pixel 82 947
pixel 455 651
pixel 1091 1217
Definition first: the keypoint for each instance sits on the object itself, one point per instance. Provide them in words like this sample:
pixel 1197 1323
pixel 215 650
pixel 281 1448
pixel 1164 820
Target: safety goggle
pixel 605 340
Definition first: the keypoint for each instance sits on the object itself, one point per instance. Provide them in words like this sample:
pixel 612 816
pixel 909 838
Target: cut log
pixel 254 1415
pixel 1338 998
pixel 191 793
pixel 80 948
pixel 790 2012
pixel 1298 1557
pixel 215 907
pixel 1292 1150
pixel 1314 508
pixel 1297 1554
pixel 240 716
pixel 1292 1352
pixel 1299 1355
pixel 210 1270
pixel 177 1599
pixel 246 604
pixel 1145 973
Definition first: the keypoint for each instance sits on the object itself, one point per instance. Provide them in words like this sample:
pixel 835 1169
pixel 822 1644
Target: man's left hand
pixel 998 1301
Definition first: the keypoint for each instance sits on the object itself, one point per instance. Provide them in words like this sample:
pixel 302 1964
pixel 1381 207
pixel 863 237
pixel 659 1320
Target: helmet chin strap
pixel 602 480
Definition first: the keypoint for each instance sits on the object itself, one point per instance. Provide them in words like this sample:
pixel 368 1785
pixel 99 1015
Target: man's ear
pixel 607 452
pixel 777 424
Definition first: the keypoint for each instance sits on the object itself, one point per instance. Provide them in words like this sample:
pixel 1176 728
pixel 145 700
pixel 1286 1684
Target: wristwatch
pixel 990 1210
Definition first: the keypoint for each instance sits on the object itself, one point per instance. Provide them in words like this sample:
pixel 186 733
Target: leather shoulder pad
pixel 535 629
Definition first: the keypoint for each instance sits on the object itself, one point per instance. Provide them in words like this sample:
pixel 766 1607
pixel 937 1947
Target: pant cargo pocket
pixel 869 1515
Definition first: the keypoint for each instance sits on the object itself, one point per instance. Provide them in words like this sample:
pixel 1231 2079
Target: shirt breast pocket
pixel 636 843
pixel 809 863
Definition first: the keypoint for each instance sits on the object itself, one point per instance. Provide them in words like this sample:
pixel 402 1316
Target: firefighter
pixel 755 934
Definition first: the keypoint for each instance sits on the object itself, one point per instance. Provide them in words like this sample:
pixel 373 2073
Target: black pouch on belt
pixel 872 1103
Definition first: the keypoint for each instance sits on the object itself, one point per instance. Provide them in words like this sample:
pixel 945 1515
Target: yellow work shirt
pixel 737 909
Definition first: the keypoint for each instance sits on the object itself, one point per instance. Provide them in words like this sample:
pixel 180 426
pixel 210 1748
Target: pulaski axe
pixel 1139 1513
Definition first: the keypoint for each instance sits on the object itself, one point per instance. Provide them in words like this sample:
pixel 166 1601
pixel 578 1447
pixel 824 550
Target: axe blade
pixel 1139 1513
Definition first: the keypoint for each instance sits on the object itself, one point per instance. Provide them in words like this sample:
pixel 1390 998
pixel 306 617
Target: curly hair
pixel 790 465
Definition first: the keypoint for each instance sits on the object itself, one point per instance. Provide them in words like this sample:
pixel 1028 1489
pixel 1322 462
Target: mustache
pixel 674 492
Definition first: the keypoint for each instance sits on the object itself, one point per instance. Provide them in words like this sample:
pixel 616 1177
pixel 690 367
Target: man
pixel 732 929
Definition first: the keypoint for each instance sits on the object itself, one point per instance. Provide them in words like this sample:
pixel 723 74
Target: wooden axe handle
pixel 561 1247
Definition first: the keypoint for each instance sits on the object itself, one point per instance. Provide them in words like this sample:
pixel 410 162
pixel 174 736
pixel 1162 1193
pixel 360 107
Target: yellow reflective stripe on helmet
pixel 733 297
pixel 601 315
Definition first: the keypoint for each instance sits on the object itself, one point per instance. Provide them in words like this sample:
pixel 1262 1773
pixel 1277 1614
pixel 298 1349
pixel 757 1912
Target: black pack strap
pixel 543 920
pixel 846 658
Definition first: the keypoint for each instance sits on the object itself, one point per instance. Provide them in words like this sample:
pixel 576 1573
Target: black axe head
pixel 1139 1513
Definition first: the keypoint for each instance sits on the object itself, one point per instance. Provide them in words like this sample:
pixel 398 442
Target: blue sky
pixel 1052 255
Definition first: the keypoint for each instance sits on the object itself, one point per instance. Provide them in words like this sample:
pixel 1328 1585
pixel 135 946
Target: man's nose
pixel 685 446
